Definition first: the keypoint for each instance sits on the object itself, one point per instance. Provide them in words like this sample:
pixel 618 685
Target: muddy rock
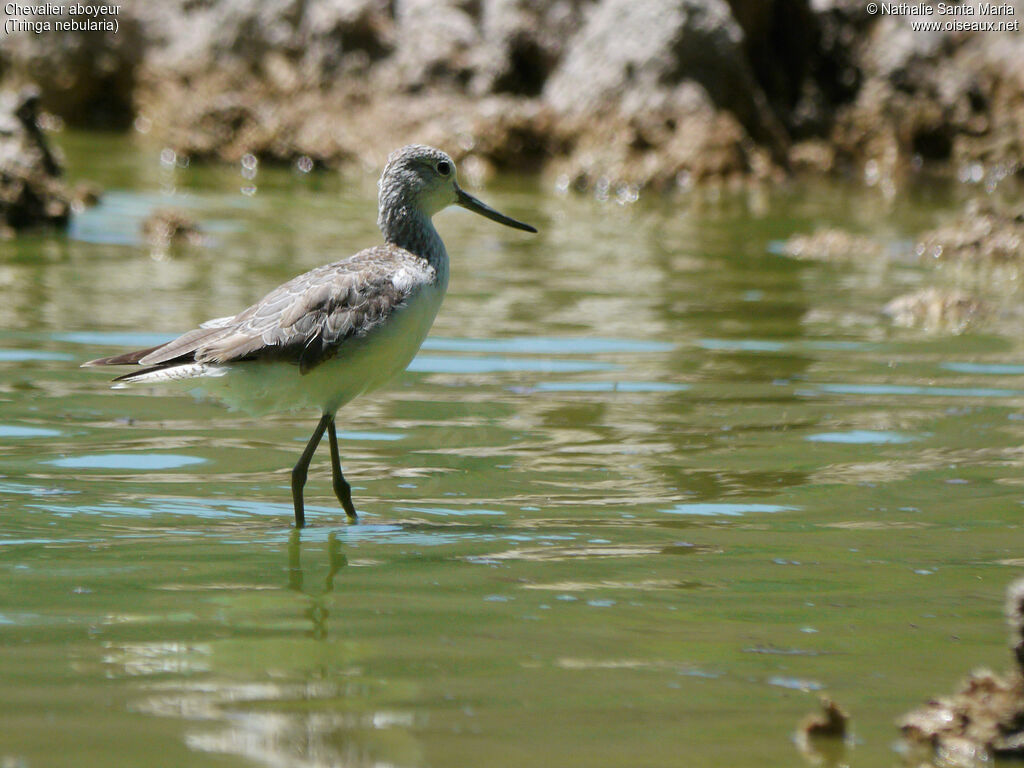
pixel 284 46
pixel 935 309
pixel 665 92
pixel 84 77
pixel 986 232
pixel 603 95
pixel 32 192
pixel 521 42
pixel 437 41
pixel 832 245
pixel 167 227
pixel 985 718
pixel 824 738
pixel 934 96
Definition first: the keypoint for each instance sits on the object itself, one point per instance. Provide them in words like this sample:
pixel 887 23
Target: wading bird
pixel 336 331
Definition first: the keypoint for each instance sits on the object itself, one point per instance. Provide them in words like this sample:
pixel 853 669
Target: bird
pixel 335 332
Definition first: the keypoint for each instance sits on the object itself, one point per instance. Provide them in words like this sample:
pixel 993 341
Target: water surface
pixel 649 489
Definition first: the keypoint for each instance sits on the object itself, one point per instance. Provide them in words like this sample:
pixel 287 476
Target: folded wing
pixel 305 321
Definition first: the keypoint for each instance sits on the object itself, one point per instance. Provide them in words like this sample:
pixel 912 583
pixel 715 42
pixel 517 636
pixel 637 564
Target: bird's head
pixel 425 179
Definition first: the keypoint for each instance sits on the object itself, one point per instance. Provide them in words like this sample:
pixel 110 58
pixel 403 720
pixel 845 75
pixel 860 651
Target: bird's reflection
pixel 317 612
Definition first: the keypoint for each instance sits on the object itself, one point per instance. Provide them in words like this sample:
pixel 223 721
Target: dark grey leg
pixel 302 468
pixel 341 487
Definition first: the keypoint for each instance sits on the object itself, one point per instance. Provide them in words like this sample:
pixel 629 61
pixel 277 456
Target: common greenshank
pixel 337 331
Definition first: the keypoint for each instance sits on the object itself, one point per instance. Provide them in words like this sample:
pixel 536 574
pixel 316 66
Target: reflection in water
pixel 328 719
pixel 288 725
pixel 317 613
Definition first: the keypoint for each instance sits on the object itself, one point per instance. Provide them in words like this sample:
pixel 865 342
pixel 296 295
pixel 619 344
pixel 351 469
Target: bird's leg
pixel 341 487
pixel 302 468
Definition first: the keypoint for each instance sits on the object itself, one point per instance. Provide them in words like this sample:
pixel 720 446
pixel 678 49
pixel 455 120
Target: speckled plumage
pixel 305 321
pixel 338 330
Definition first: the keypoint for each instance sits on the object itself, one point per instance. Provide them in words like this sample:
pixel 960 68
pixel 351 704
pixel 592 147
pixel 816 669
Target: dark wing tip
pixel 128 358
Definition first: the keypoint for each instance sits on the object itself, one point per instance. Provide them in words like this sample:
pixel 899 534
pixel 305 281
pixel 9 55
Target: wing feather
pixel 305 320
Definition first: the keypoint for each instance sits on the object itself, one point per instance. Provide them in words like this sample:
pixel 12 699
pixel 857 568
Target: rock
pixel 32 192
pixel 985 233
pixel 85 77
pixel 1015 620
pixel 436 41
pixel 521 42
pixel 935 309
pixel 934 96
pixel 832 245
pixel 603 94
pixel 985 718
pixel 166 227
pixel 831 723
pixel 823 737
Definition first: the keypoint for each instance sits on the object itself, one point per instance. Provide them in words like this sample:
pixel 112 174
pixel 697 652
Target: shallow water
pixel 647 492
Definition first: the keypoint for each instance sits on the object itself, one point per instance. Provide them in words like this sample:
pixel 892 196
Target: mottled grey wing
pixel 307 319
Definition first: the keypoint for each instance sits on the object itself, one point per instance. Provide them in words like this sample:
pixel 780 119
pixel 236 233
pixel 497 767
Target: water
pixel 648 491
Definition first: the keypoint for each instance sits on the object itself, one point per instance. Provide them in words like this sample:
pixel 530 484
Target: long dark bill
pixel 470 203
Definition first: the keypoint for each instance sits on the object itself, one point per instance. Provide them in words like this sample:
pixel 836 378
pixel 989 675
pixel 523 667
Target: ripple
pixel 607 386
pixel 11 430
pixel 446 512
pixel 445 364
pixel 542 345
pixel 796 683
pixel 136 339
pixel 137 461
pixel 384 436
pixel 21 355
pixel 116 219
pixel 725 509
pixel 764 345
pixel 984 368
pixel 900 389
pixel 33 490
pixel 861 436
pixel 742 345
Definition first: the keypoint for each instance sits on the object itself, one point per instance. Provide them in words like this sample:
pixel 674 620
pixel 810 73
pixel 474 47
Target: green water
pixel 647 491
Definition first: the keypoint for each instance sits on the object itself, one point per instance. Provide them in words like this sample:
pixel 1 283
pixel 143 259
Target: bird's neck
pixel 410 228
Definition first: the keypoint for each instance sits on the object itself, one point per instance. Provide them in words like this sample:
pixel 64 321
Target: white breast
pixel 361 365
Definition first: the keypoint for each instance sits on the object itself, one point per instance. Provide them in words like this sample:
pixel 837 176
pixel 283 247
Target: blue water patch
pixel 21 355
pixel 397 534
pixel 12 430
pixel 861 436
pixel 741 345
pixel 842 345
pixel 763 345
pixel 33 490
pixel 445 364
pixel 541 345
pixel 724 509
pixel 223 508
pixel 136 461
pixel 608 386
pixel 897 389
pixel 133 339
pixel 117 218
pixel 385 436
pixel 984 368
pixel 795 683
pixel 447 512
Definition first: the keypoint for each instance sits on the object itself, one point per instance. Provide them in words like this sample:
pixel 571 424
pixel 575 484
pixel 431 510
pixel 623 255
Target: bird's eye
pixel 444 168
